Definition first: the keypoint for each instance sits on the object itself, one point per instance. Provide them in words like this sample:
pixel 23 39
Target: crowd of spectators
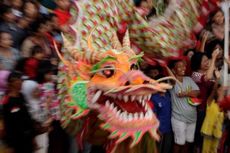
pixel 30 114
pixel 193 116
pixel 29 64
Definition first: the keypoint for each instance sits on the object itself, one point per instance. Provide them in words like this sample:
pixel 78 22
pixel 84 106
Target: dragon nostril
pixel 146 82
pixel 127 83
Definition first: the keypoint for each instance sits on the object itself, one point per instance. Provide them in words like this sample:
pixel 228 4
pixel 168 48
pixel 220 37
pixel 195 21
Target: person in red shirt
pixel 62 13
pixel 31 64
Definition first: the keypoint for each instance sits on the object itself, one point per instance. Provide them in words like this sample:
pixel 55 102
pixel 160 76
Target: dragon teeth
pixel 96 96
pixel 130 117
pixel 140 99
pixel 149 97
pixel 146 107
pixel 112 106
pixel 141 115
pixel 135 116
pixel 133 98
pixel 119 97
pixel 126 98
pixel 107 103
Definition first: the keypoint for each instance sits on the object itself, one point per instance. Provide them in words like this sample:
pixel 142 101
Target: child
pixel 31 64
pixel 47 86
pixel 30 89
pixel 62 13
pixel 184 115
pixel 162 109
pixel 212 125
pixel 19 126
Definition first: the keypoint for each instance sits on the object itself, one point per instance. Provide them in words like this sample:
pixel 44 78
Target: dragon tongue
pixel 130 107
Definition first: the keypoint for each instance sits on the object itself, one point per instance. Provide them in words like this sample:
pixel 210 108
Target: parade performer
pixel 104 97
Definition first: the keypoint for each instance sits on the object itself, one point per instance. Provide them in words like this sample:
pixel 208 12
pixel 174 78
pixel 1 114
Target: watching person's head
pixel 14 81
pixel 178 67
pixel 6 40
pixel 37 52
pixel 199 62
pixel 63 4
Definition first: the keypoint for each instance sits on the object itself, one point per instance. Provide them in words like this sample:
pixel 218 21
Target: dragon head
pixel 110 84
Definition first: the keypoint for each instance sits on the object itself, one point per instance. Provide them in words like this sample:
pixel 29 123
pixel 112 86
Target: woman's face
pixel 63 4
pixel 221 52
pixel 31 10
pixel 6 40
pixel 218 18
pixel 180 68
pixel 17 4
pixel 9 16
pixel 204 63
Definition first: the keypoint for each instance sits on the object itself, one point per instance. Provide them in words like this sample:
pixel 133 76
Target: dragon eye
pixel 134 67
pixel 108 72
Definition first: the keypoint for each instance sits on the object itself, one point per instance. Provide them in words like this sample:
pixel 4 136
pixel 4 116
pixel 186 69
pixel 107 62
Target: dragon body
pixel 104 97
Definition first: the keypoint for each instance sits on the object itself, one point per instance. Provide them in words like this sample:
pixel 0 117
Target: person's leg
pixel 190 134
pixel 167 144
pixel 198 137
pixel 179 135
pixel 214 145
pixel 206 145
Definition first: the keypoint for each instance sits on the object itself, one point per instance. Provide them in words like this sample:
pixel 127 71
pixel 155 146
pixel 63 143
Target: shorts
pixel 183 132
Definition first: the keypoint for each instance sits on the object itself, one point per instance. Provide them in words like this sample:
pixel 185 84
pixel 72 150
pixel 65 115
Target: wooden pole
pixel 225 7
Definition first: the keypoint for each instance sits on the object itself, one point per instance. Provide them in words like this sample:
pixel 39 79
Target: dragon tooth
pixel 143 103
pixel 149 97
pixel 133 98
pixel 126 114
pixel 135 116
pixel 141 115
pixel 130 117
pixel 119 112
pixel 149 114
pixel 119 97
pixel 107 103
pixel 146 115
pixel 111 106
pixel 145 98
pixel 146 107
pixel 140 99
pixel 115 109
pixel 96 96
pixel 126 98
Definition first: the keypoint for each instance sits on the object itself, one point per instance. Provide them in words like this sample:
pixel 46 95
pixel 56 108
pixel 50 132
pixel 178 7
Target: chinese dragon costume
pixel 104 97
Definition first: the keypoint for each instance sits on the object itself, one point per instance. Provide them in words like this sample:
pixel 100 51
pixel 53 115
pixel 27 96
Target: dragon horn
pixel 115 42
pixel 126 41
pixel 92 55
pixel 126 44
pixel 75 54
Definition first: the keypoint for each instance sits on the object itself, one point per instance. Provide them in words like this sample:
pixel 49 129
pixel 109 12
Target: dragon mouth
pixel 124 115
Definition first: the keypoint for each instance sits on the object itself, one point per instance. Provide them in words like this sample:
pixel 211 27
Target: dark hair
pixel 151 13
pixel 149 68
pixel 42 20
pixel 210 46
pixel 172 63
pixel 13 76
pixel 211 16
pixel 36 49
pixel 196 60
pixel 5 9
pixel 44 67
